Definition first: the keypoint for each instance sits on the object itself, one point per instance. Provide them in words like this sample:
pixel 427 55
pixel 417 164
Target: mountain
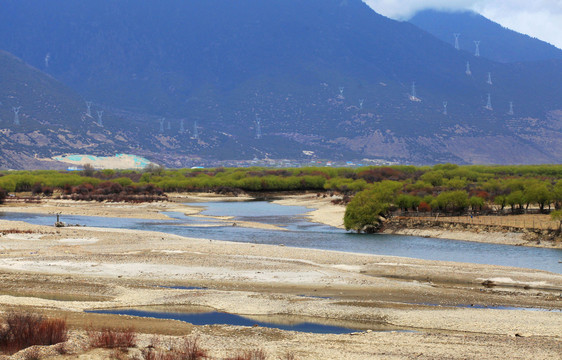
pixel 328 76
pixel 50 119
pixel 497 42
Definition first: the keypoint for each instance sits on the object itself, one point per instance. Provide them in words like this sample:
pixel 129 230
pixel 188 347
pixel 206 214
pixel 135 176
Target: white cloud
pixel 404 9
pixel 538 18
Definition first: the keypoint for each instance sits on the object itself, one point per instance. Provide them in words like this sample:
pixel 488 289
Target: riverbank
pixel 325 212
pixel 65 271
pixel 492 234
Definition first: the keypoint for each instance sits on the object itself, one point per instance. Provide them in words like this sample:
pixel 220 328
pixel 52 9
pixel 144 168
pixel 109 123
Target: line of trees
pixel 367 207
pixel 444 188
pixel 113 191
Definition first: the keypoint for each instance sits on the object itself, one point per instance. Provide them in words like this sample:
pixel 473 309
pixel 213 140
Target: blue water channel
pixel 218 318
pixel 305 234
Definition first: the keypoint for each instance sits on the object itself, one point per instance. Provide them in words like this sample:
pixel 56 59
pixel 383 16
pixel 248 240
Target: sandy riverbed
pixel 64 271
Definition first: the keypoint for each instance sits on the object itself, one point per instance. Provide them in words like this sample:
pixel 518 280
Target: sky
pixel 538 18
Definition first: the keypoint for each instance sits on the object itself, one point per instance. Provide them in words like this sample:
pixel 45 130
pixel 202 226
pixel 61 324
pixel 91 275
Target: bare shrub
pixel 112 338
pixel 152 354
pixel 24 330
pixel 47 190
pixel 191 350
pixel 36 189
pixel 89 170
pixel 188 350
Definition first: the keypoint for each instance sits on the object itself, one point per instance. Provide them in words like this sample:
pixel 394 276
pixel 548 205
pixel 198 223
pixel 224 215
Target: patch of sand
pixel 322 209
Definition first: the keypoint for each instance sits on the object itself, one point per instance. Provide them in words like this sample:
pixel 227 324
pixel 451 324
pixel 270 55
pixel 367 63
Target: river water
pixel 305 234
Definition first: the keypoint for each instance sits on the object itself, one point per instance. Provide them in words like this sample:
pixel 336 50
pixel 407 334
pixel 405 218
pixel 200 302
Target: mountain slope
pixel 51 118
pixel 328 76
pixel 497 43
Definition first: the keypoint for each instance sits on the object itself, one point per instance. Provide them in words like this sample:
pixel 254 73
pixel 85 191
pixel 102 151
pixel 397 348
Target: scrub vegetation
pixel 373 192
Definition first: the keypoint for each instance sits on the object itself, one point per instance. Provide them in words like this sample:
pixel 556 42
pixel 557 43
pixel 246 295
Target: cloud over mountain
pixel 539 18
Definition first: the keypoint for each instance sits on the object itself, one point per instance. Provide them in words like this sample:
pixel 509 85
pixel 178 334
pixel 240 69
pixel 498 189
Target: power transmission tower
pixel 161 121
pixel 510 112
pixel 457 35
pixel 340 96
pixel 195 131
pixel 258 127
pixel 444 108
pixel 468 72
pixel 89 108
pixel 477 51
pixel 413 95
pixel 16 111
pixel 489 103
pixel 100 115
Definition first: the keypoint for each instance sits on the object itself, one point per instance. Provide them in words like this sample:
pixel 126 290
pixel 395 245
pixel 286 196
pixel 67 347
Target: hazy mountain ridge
pixel 497 42
pixel 225 65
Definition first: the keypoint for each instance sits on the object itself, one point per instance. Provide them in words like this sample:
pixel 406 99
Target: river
pixel 305 234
